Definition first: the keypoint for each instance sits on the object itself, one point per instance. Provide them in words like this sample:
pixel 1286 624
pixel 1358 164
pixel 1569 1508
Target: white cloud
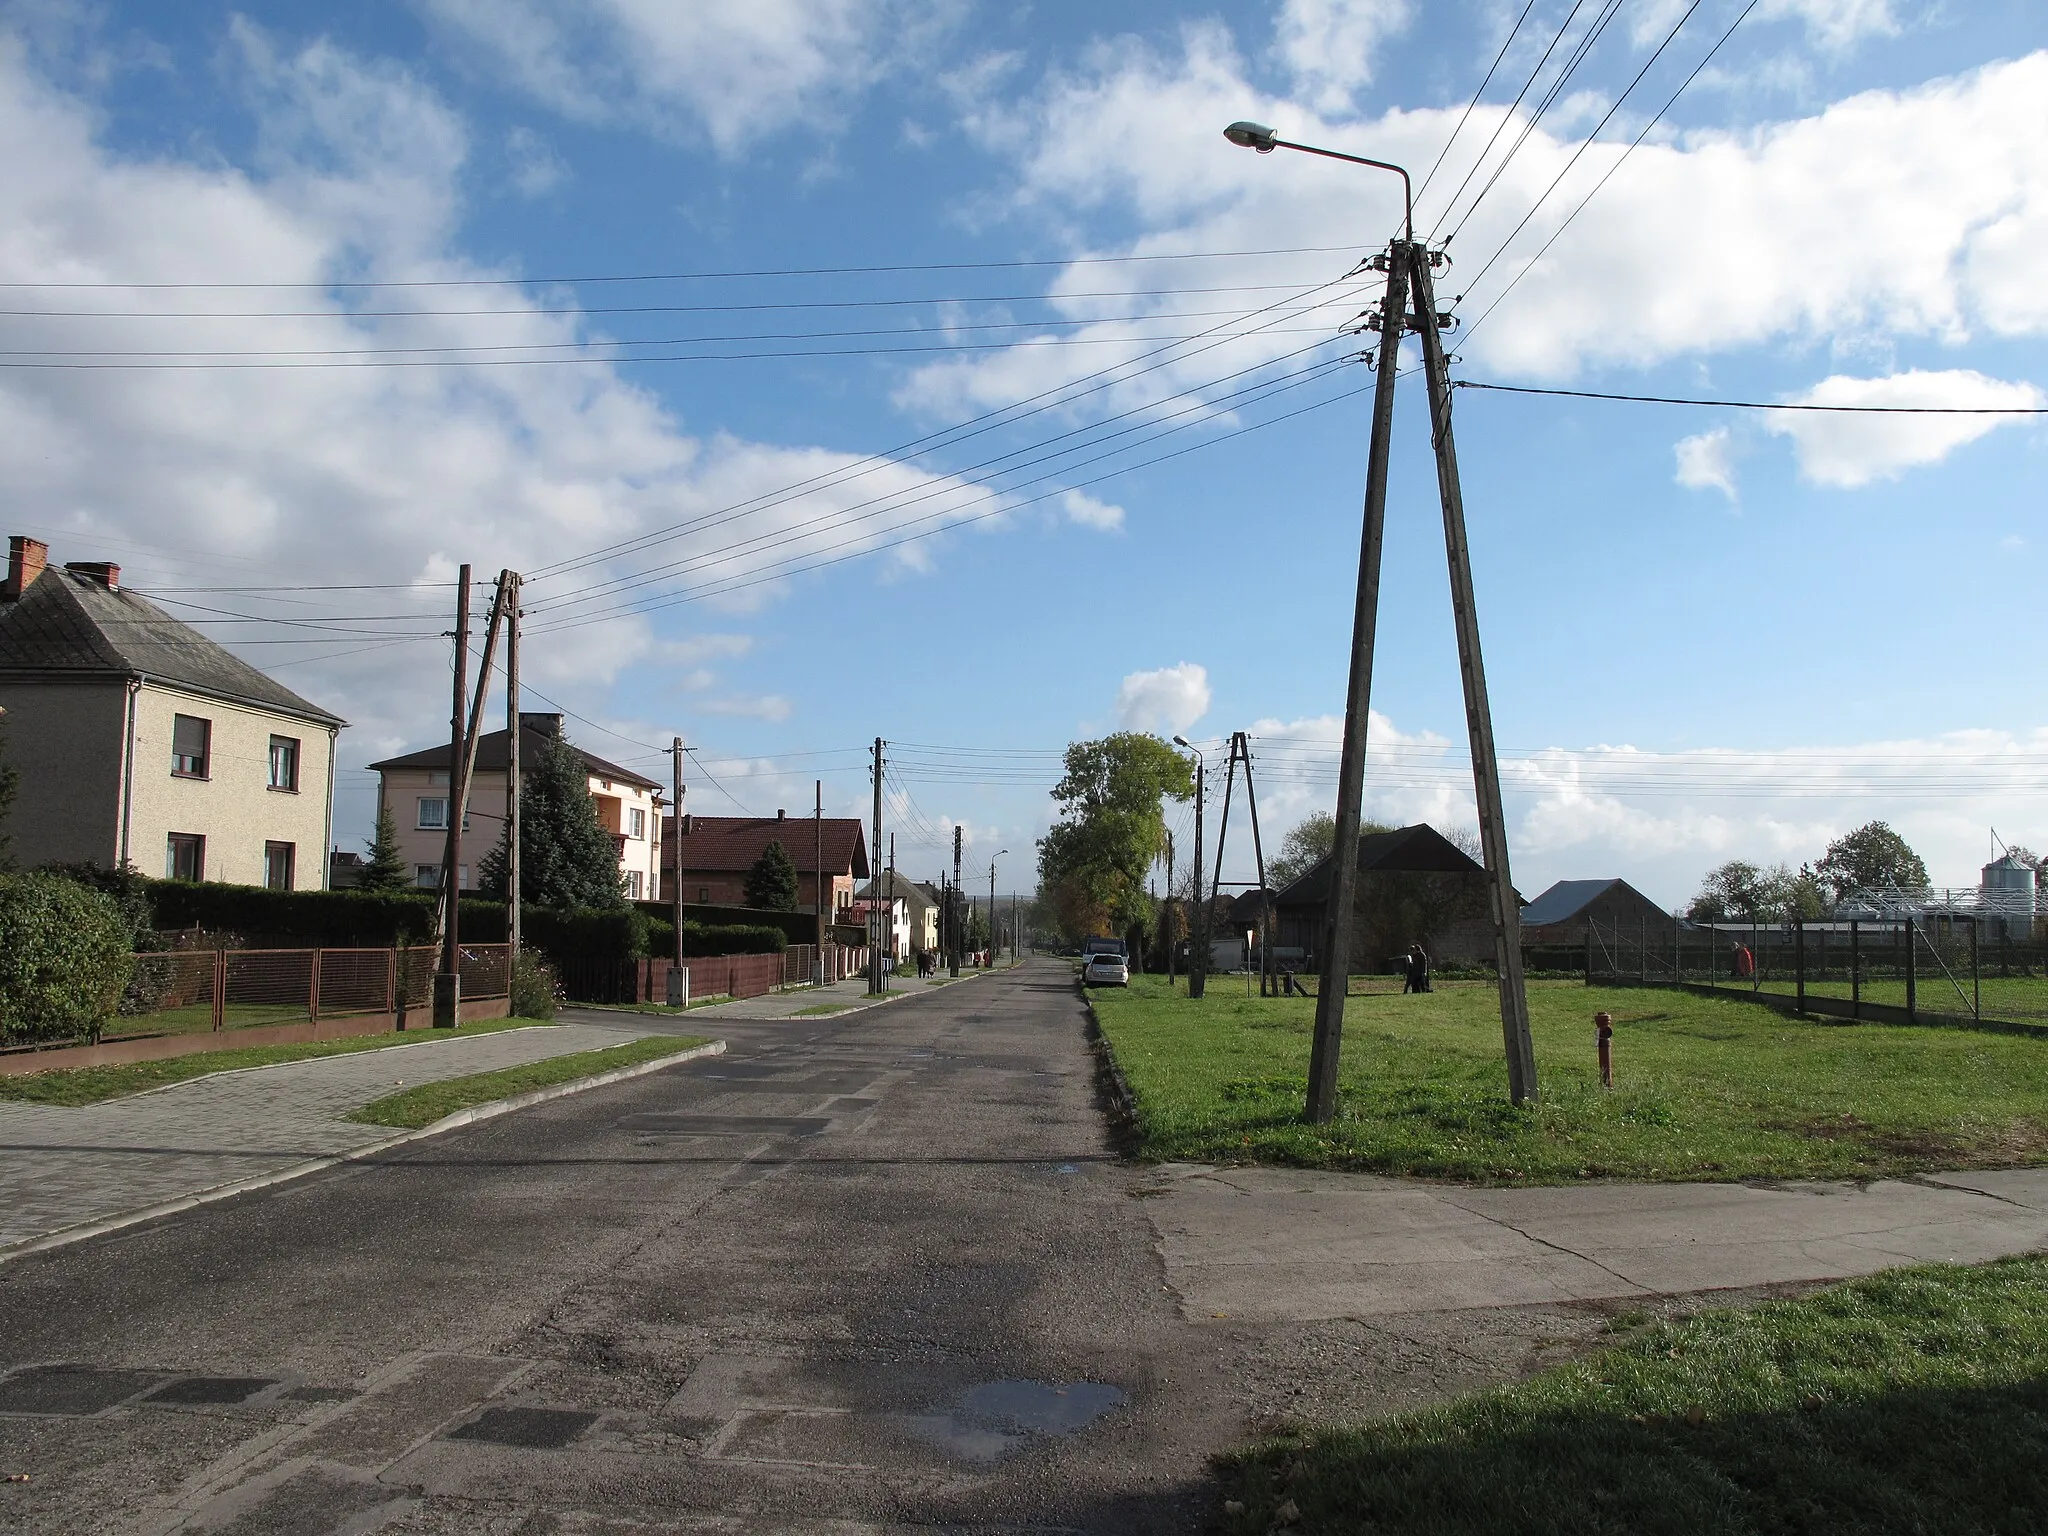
pixel 1706 462
pixel 1853 450
pixel 1914 213
pixel 1835 24
pixel 766 706
pixel 536 169
pixel 1090 513
pixel 1166 701
pixel 1330 47
pixel 696 69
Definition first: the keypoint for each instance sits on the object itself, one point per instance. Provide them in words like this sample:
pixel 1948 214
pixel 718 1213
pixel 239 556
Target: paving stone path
pixel 63 1167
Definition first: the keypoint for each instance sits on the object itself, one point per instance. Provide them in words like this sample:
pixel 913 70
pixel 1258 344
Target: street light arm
pixel 1407 187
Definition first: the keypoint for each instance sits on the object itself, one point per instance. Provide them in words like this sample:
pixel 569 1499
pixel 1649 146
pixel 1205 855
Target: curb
pixel 64 1236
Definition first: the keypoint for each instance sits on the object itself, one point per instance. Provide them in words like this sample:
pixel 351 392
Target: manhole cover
pixel 71 1389
pixel 725 1125
pixel 544 1429
pixel 210 1389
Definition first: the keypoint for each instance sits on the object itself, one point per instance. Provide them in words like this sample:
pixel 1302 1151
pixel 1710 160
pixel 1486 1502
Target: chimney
pixel 104 572
pixel 26 558
pixel 781 814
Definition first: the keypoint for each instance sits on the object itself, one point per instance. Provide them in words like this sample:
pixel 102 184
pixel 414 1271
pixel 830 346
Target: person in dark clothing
pixel 1418 969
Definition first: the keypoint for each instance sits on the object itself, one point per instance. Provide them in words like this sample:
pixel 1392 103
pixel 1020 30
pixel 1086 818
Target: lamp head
pixel 1252 136
pixel 1182 741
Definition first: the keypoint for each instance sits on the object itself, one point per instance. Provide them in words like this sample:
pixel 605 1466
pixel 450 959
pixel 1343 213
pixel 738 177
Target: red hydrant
pixel 1603 1027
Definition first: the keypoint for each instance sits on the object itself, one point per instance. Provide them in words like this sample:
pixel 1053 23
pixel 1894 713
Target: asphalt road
pixel 877 1272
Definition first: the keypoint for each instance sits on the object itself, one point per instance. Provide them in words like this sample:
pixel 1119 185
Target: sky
pixel 934 370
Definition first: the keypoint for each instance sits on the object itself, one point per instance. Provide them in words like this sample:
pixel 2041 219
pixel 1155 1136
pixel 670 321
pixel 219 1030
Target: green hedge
pixel 714 939
pixel 795 927
pixel 64 958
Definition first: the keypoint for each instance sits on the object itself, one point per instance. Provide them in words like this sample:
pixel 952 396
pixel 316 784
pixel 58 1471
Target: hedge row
pixel 795 927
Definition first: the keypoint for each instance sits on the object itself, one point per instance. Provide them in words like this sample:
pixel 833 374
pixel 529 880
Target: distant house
pixel 1413 883
pixel 920 907
pixel 344 869
pixel 415 789
pixel 1569 909
pixel 140 741
pixel 891 923
pixel 717 852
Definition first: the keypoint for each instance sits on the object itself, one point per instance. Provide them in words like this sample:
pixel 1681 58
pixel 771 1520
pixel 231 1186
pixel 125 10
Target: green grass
pixel 91 1085
pixel 1915 1401
pixel 420 1106
pixel 1706 1087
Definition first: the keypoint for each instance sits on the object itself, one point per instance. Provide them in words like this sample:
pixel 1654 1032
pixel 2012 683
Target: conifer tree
pixel 771 883
pixel 385 869
pixel 566 858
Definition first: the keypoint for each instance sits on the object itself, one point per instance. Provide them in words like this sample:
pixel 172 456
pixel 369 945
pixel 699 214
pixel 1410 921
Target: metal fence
pixel 1891 969
pixel 195 991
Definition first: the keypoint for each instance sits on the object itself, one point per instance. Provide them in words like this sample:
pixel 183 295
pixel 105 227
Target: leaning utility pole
pixel 1342 887
pixel 447 980
pixel 513 782
pixel 1493 833
pixel 458 797
pixel 876 986
pixel 959 938
pixel 818 822
pixel 675 901
pixel 1241 752
pixel 1198 929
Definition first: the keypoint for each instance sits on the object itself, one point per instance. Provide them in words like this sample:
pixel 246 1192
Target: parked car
pixel 1103 969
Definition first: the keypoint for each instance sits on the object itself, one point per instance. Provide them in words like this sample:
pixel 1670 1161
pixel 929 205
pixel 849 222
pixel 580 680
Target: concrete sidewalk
pixel 62 1168
pixel 1266 1243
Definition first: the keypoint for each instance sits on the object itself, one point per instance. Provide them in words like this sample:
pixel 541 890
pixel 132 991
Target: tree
pixel 1872 855
pixel 1739 891
pixel 1111 827
pixel 1302 849
pixel 385 870
pixel 771 883
pixel 10 783
pixel 566 858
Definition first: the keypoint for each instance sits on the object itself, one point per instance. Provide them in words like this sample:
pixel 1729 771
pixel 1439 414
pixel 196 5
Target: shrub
pixel 64 958
pixel 581 933
pixel 536 986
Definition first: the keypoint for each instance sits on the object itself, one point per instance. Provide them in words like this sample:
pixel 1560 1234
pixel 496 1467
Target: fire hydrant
pixel 1603 1029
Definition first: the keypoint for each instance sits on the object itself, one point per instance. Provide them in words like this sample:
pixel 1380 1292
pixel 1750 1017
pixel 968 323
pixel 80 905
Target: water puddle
pixel 990 1421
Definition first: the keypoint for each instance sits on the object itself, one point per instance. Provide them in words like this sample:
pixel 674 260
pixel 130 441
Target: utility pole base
pixel 679 986
pixel 447 999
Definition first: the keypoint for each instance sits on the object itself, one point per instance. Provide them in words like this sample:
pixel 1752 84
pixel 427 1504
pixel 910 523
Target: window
pixel 185 856
pixel 277 864
pixel 284 763
pixel 190 737
pixel 427 876
pixel 633 881
pixel 704 893
pixel 636 823
pixel 434 814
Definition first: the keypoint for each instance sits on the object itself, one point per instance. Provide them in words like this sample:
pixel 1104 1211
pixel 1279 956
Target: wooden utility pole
pixel 1198 929
pixel 958 937
pixel 512 770
pixel 1342 887
pixel 463 772
pixel 818 822
pixel 1266 914
pixel 1169 912
pixel 447 980
pixel 1493 832
pixel 675 902
pixel 876 985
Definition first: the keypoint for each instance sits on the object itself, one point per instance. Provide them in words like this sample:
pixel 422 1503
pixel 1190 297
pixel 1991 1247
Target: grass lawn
pixel 90 1085
pixel 429 1102
pixel 1915 1401
pixel 1706 1087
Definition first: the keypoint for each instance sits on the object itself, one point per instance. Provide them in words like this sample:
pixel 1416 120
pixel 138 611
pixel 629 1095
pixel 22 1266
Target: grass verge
pixel 428 1102
pixel 1914 1401
pixel 91 1085
pixel 1706 1088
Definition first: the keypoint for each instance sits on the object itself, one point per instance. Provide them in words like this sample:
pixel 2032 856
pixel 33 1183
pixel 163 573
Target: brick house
pixel 719 850
pixel 140 741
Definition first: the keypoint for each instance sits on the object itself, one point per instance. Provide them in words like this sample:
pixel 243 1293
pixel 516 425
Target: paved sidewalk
pixel 1269 1243
pixel 62 1167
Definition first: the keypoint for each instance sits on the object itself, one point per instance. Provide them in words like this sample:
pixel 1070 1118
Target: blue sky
pixel 370 291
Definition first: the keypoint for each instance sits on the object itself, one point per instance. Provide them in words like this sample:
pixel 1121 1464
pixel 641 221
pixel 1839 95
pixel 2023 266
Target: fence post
pixel 391 983
pixel 1976 976
pixel 1643 950
pixel 313 990
pixel 1855 969
pixel 1799 961
pixel 220 988
pixel 1589 952
pixel 1912 1000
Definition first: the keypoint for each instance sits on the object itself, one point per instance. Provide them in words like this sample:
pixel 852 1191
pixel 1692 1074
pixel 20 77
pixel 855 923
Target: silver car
pixel 1105 970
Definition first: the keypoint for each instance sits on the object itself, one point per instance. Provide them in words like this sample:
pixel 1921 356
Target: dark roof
pixel 915 896
pixel 1417 849
pixel 69 624
pixel 494 754
pixel 731 844
pixel 1569 898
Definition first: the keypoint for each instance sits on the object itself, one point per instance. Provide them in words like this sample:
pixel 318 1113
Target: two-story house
pixel 920 905
pixel 415 788
pixel 717 852
pixel 140 741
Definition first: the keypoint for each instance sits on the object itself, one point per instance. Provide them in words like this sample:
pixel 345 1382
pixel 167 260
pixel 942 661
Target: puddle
pixel 1068 1168
pixel 990 1421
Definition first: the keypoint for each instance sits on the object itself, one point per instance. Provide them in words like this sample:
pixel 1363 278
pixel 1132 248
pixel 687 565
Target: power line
pixel 1465 116
pixel 677 277
pixel 1761 405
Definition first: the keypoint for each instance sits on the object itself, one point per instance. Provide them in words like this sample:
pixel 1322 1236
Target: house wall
pixel 484 823
pixel 726 887
pixel 1448 912
pixel 1632 913
pixel 69 741
pixel 233 807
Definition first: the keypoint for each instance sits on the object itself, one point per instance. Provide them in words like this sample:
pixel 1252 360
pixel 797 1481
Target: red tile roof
pixel 731 844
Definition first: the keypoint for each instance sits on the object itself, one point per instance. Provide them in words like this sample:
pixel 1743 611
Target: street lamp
pixel 1263 139
pixel 992 907
pixel 1198 931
